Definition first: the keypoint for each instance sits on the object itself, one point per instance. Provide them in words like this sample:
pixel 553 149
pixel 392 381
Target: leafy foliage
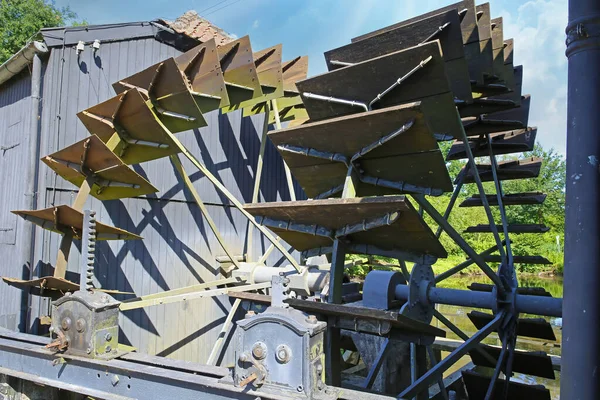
pixel 20 20
pixel 551 181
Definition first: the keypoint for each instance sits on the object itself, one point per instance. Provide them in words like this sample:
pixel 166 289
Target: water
pixel 458 316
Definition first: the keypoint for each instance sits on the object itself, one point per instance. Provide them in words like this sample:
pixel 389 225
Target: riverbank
pixel 445 264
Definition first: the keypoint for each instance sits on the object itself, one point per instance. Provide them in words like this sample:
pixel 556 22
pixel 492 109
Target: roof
pixel 69 36
pixel 193 25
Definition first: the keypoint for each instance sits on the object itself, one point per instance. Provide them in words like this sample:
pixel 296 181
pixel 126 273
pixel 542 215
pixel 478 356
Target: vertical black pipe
pixel 28 245
pixel 581 308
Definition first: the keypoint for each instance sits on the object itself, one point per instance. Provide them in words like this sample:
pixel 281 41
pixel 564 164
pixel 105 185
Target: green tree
pixel 20 20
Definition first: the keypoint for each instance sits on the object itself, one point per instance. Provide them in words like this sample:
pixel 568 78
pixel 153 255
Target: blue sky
pixel 315 26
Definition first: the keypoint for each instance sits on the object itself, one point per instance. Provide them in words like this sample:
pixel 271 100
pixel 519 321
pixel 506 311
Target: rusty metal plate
pixel 239 71
pixel 293 71
pixel 165 85
pixel 408 233
pixel 270 75
pixel 103 164
pixel 378 74
pixel 477 386
pixel 290 108
pixel 137 120
pixel 65 218
pixel 202 67
pixel 516 141
pixel 290 105
pixel 511 169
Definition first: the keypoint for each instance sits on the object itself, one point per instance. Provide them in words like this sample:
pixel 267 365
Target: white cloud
pixel 255 24
pixel 538 29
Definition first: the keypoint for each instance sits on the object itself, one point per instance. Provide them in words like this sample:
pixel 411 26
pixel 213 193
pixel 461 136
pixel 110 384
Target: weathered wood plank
pixel 507 199
pixel 409 232
pixel 511 169
pixel 376 75
pixel 477 386
pixel 508 142
pixel 468 24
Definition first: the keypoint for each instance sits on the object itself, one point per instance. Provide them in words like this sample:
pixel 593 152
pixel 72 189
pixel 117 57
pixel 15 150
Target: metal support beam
pixel 221 188
pixel 482 193
pixel 333 372
pixel 257 177
pixel 528 304
pixel 434 373
pixel 458 239
pixel 191 296
pixel 288 173
pixel 581 344
pixel 465 264
pixel 216 350
pixel 383 352
pixel 211 223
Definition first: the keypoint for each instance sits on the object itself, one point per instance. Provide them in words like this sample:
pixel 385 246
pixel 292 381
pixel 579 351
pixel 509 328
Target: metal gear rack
pixel 362 142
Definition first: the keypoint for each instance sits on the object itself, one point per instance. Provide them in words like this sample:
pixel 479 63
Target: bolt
pixel 66 324
pixel 88 350
pixel 80 325
pixel 243 357
pixel 312 319
pixel 114 380
pixel 300 388
pixel 108 348
pixel 319 369
pixel 108 337
pixel 259 350
pixel 283 353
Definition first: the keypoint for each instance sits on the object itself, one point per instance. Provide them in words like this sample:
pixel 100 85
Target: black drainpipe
pixel 580 376
pixel 28 247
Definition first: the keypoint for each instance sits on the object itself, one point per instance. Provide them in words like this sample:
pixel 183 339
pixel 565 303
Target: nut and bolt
pixel 283 353
pixel 108 349
pixel 108 337
pixel 88 350
pixel 312 319
pixel 66 324
pixel 259 350
pixel 80 325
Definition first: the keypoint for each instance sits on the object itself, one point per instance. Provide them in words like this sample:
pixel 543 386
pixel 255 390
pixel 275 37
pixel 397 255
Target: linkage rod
pixel 482 194
pixel 499 194
pixel 465 264
pixel 430 209
pixel 434 373
pixel 213 179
